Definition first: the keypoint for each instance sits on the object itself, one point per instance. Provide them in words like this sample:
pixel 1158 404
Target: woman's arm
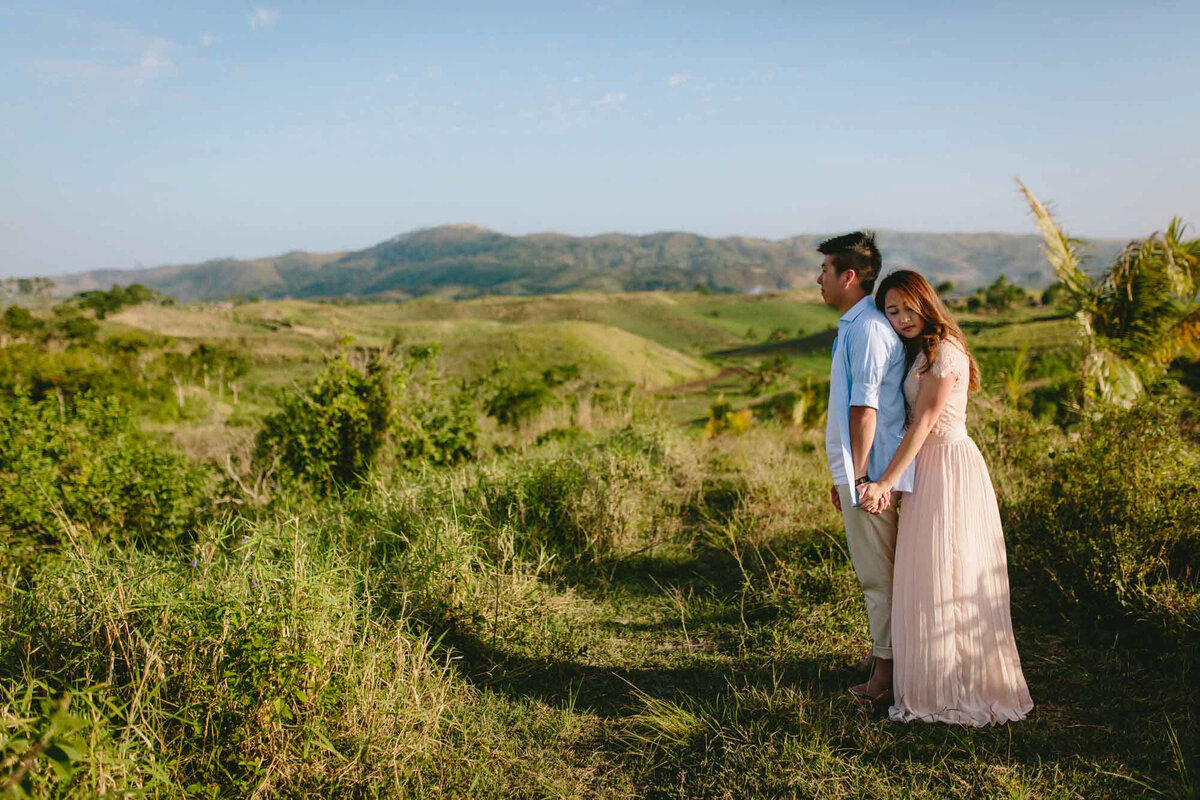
pixel 932 396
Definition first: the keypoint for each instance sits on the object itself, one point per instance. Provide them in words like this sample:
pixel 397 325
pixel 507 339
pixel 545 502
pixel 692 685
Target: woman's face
pixel 904 318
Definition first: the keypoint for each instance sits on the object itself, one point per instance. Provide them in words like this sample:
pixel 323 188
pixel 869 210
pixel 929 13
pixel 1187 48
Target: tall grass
pixel 634 612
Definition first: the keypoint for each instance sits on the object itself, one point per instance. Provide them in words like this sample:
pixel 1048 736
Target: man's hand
pixel 834 498
pixel 874 497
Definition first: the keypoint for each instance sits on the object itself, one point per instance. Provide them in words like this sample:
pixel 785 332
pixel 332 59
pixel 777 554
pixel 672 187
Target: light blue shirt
pixel 868 370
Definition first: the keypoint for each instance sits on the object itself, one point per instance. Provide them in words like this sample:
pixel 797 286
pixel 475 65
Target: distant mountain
pixel 468 261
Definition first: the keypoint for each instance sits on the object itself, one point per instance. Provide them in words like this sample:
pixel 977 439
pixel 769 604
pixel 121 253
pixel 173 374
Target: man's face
pixel 831 283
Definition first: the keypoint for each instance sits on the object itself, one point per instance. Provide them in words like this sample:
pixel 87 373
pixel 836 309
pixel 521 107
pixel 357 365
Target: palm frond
pixel 1134 300
pixel 1181 259
pixel 1182 338
pixel 1063 252
pixel 1110 379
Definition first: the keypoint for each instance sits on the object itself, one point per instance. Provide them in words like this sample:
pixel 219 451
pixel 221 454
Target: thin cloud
pixel 678 78
pixel 207 40
pixel 263 17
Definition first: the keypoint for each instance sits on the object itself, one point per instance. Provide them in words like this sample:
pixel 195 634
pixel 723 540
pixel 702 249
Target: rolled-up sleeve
pixel 868 355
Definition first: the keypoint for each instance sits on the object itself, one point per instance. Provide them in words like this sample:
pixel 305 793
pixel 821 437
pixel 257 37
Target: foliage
pixel 1113 527
pixel 469 262
pixel 770 372
pixel 722 418
pixel 512 402
pixel 26 286
pixel 1054 293
pixel 435 420
pixel 85 465
pixel 1015 376
pixel 1137 317
pixel 18 320
pixel 578 502
pixel 108 302
pixel 604 613
pixel 1003 294
pixel 328 432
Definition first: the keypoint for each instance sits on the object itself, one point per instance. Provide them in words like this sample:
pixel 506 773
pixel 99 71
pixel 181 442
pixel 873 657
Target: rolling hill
pixel 462 261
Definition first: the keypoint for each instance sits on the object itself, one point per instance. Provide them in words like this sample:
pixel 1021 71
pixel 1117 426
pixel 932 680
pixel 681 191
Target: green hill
pixel 464 261
pixel 288 332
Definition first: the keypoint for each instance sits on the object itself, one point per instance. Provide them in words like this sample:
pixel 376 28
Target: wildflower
pixel 195 562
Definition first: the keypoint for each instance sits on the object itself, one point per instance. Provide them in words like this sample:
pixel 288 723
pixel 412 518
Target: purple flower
pixel 194 563
pixel 254 583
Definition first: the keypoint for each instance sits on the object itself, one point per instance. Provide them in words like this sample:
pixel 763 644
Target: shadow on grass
pixel 1098 705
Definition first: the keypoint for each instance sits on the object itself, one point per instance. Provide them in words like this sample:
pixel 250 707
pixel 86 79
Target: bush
pixel 435 421
pixel 579 502
pixel 1113 527
pixel 327 434
pixel 18 320
pixel 440 429
pixel 88 462
pixel 513 403
pixel 722 418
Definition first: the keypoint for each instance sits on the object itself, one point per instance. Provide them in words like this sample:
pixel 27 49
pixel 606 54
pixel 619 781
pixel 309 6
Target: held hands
pixel 874 498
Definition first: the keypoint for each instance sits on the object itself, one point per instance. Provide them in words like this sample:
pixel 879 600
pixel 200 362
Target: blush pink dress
pixel 955 657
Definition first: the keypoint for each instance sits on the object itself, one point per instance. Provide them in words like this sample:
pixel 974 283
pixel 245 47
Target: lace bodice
pixel 948 359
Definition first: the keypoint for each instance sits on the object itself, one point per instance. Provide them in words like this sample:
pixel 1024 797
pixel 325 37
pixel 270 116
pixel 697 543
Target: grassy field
pixel 605 604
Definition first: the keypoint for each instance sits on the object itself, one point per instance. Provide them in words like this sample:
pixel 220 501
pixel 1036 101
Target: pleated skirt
pixel 956 659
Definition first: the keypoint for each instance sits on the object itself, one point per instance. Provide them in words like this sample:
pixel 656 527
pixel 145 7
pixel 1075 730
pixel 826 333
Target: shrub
pixel 1003 294
pixel 1114 526
pixel 435 421
pixel 579 502
pixel 722 418
pixel 89 462
pixel 327 433
pixel 513 403
pixel 18 320
pixel 440 429
pixel 104 303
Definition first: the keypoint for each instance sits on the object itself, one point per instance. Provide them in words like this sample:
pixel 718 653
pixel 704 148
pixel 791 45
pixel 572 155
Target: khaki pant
pixel 872 540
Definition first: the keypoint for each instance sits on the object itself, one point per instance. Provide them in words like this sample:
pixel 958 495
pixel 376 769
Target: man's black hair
pixel 856 251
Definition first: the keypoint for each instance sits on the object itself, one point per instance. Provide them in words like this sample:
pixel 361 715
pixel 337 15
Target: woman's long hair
pixel 939 325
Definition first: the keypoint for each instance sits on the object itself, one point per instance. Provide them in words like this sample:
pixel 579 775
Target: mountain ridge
pixel 463 260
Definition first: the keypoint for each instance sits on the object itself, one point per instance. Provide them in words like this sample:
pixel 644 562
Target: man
pixel 865 425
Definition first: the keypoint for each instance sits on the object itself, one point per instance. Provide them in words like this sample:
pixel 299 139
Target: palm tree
pixel 1141 314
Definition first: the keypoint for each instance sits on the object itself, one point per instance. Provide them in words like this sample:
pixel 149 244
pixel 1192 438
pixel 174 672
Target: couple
pixel 943 641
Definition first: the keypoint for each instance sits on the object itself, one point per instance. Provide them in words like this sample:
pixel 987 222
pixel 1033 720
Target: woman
pixel 955 657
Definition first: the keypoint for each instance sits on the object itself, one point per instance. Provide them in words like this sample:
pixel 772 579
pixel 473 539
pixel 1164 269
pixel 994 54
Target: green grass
pixel 418 639
pixel 628 611
pixel 651 340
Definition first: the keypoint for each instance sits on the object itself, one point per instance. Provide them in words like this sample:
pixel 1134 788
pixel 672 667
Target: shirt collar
pixel 855 310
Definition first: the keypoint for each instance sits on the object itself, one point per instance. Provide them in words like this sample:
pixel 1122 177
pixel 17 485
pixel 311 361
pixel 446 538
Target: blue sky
pixel 153 132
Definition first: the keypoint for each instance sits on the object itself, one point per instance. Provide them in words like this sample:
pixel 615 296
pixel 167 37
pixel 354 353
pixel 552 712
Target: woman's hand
pixel 874 498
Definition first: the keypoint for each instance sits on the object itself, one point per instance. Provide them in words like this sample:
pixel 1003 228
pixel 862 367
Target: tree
pixel 944 288
pixel 1002 294
pixel 18 320
pixel 1141 314
pixel 1053 293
